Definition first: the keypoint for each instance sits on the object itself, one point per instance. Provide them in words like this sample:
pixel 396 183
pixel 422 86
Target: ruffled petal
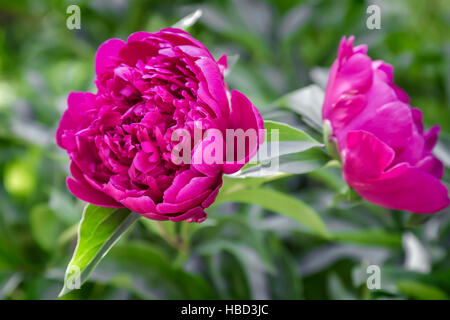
pixel 223 63
pixel 141 204
pixel 431 137
pixel 432 165
pixel 196 214
pixel 392 123
pixel 386 155
pixel 73 118
pixel 179 207
pixel 244 116
pixel 208 155
pixel 91 195
pixel 107 54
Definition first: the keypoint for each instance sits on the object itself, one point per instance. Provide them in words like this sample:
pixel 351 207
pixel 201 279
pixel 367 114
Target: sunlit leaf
pixel 421 291
pixel 417 256
pixel 371 237
pixel 291 163
pixel 287 133
pixel 189 20
pixel 100 228
pixel 280 203
pixel 286 150
pixel 20 178
pixel 307 102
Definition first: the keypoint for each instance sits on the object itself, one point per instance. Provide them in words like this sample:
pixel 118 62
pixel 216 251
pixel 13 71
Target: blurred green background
pixel 241 251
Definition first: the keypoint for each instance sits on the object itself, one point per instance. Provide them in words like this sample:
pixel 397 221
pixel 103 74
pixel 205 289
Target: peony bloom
pixel 386 153
pixel 120 139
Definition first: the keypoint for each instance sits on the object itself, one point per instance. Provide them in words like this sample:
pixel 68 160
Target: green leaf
pixel 253 265
pixel 307 102
pixel 288 133
pixel 291 163
pixel 416 220
pixel 151 267
pixel 99 229
pixel 276 201
pixel 297 152
pixel 234 184
pixel 9 282
pixel 20 177
pixel 371 237
pixel 330 143
pixel 291 139
pixel 165 229
pixel 245 254
pixel 421 291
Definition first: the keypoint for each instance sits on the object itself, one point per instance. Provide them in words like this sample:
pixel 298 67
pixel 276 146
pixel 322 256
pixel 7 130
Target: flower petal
pixel 244 116
pixel 107 54
pixel 406 188
pixel 365 156
pixel 91 195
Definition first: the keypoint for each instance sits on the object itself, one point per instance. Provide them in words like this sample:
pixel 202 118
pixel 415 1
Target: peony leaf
pixel 276 201
pixel 291 163
pixel 416 220
pixel 370 237
pixel 288 133
pixel 307 102
pixel 189 20
pixel 421 291
pixel 286 150
pixel 99 229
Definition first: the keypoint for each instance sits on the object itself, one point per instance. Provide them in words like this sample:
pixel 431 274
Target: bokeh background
pixel 241 251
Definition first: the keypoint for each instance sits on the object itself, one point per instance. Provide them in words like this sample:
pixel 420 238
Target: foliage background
pixel 241 251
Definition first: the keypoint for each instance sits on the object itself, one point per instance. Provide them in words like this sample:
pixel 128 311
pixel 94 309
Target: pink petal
pixel 432 165
pixel 366 156
pixel 201 160
pixel 215 84
pixel 431 137
pixel 143 204
pixel 192 215
pixel 107 54
pixel 355 73
pixel 223 63
pixel 139 36
pixel 212 196
pixel 392 123
pixel 196 186
pixel 182 179
pixel 78 103
pixel 406 188
pixel 244 116
pixel 418 119
pixel 180 207
pixel 91 195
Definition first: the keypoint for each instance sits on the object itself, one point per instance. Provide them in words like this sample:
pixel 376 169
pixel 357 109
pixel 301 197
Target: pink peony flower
pixel 386 154
pixel 120 139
